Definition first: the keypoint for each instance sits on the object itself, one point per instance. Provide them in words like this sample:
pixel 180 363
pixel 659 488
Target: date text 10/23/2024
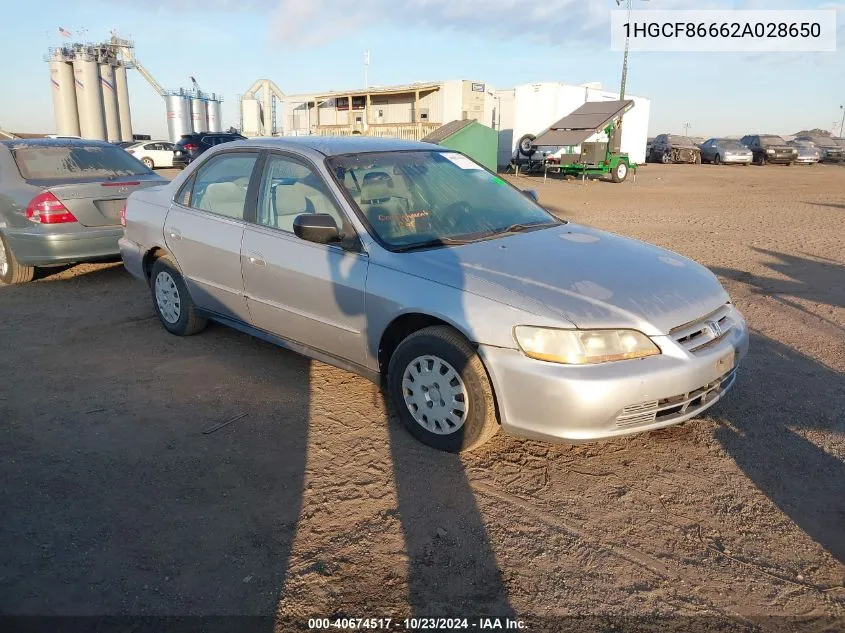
pixel 417 624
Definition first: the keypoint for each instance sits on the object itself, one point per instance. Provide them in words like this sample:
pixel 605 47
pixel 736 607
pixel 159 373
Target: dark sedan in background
pixel 61 202
pixel 770 148
pixel 673 148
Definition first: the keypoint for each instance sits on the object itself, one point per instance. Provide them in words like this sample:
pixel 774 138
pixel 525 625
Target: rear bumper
pixel 181 161
pixel 551 402
pixel 39 248
pixel 133 258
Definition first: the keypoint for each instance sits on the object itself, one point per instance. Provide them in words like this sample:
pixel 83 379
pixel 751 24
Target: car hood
pixel 591 278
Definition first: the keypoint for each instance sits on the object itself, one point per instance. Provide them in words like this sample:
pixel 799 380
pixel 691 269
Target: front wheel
pixel 717 160
pixel 440 390
pixel 11 271
pixel 666 158
pixel 173 305
pixel 620 172
pixel 761 160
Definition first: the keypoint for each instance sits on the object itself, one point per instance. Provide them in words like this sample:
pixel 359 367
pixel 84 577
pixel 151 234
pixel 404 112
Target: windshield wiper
pixel 440 241
pixel 524 226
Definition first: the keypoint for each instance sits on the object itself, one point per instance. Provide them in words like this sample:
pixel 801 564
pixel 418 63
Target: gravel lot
pixel 118 499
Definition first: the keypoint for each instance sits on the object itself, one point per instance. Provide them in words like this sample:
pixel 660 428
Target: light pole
pixel 687 126
pixel 625 57
pixel 842 124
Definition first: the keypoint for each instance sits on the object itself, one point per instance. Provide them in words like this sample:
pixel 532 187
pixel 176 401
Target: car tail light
pixel 45 208
pixel 123 215
pixel 189 146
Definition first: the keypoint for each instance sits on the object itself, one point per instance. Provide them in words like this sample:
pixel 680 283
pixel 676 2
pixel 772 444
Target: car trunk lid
pixel 98 202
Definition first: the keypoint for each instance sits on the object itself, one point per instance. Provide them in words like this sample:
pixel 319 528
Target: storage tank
pixel 199 114
pixel 251 111
pixel 107 85
pixel 125 114
pixel 89 98
pixel 178 116
pixel 64 97
pixel 214 117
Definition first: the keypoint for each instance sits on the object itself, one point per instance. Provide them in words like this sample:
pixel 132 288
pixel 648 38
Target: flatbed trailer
pixel 597 158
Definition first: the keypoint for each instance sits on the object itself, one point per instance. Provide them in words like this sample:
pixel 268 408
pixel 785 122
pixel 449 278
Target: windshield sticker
pixel 461 161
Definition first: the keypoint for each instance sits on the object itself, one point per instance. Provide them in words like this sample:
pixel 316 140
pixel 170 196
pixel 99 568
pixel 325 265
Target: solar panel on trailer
pixel 562 138
pixel 593 115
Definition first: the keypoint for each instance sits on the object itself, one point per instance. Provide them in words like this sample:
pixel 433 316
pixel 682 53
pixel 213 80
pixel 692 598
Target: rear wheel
pixel 173 305
pixel 717 160
pixel 11 271
pixel 761 160
pixel 148 162
pixel 620 172
pixel 440 390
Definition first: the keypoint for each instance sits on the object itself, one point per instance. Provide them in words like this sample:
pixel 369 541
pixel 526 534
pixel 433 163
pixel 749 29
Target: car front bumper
pixel 737 160
pixel 39 247
pixel 568 403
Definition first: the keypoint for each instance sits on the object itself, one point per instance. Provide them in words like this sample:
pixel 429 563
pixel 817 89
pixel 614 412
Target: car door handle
pixel 256 259
pixel 176 234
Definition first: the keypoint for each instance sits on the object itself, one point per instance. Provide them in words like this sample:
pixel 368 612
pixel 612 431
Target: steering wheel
pixel 454 214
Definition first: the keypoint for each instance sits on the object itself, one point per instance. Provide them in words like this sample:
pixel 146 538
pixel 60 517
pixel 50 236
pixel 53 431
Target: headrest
pixel 377 185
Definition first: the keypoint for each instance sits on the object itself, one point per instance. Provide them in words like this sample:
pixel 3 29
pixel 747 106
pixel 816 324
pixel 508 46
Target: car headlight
pixel 770 151
pixel 582 347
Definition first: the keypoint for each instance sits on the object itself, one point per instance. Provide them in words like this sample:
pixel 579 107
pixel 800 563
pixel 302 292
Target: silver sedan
pixel 60 202
pixel 725 150
pixel 414 266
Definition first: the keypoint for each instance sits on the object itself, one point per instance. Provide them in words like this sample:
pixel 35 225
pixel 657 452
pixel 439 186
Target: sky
pixel 318 45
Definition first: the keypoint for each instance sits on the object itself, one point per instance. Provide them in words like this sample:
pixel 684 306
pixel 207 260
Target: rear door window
pixel 75 162
pixel 221 184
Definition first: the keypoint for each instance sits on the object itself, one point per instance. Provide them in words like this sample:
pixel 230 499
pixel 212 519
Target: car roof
pixel 335 145
pixel 53 142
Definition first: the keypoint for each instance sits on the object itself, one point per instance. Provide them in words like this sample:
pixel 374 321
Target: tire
pixel 790 164
pixel 524 145
pixel 761 161
pixel 148 162
pixel 12 271
pixel 437 349
pixel 620 172
pixel 717 160
pixel 666 157
pixel 697 159
pixel 172 302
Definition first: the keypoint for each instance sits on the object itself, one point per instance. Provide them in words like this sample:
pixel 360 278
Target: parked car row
pixel 156 154
pixel 403 261
pixel 759 149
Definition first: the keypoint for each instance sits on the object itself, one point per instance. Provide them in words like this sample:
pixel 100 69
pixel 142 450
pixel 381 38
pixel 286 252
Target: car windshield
pixel 681 141
pixel 768 140
pixel 74 162
pixel 430 198
pixel 731 144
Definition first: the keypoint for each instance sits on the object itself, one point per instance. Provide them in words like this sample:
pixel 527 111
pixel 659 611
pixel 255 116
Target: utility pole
pixel 842 124
pixel 366 68
pixel 687 126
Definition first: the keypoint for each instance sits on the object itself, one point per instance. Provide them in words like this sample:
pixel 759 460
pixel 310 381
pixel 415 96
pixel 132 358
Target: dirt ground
pixel 120 498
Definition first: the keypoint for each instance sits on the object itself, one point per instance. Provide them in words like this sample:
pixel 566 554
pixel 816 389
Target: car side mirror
pixel 532 193
pixel 319 228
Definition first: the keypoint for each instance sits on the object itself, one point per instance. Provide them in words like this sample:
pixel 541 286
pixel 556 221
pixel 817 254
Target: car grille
pixel 667 409
pixel 705 331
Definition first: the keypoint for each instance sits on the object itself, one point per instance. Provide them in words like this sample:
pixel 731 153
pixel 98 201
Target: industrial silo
pixel 178 116
pixel 89 97
pixel 122 89
pixel 110 108
pixel 64 96
pixel 199 114
pixel 214 116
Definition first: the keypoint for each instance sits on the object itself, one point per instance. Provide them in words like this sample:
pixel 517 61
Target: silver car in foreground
pixel 412 265
pixel 60 202
pixel 725 150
